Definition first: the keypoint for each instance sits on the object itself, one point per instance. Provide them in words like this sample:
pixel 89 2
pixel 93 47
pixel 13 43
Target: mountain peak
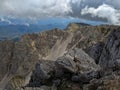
pixel 56 57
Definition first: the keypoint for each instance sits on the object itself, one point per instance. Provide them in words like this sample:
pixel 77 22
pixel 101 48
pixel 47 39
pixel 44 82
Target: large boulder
pixel 18 59
pixel 67 85
pixel 95 51
pixel 77 61
pixel 37 88
pixel 43 71
pixel 6 53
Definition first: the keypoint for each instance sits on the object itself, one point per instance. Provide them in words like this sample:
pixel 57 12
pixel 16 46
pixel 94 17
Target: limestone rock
pixel 18 59
pixel 42 72
pixel 95 51
pixel 38 88
pixel 6 53
pixel 110 82
pixel 67 85
pixel 85 77
pixel 110 57
pixel 77 61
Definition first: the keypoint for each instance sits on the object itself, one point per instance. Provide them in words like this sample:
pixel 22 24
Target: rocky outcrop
pixel 110 57
pixel 77 58
pixel 43 71
pixel 22 56
pixel 39 88
pixel 77 61
pixel 6 54
pixel 110 82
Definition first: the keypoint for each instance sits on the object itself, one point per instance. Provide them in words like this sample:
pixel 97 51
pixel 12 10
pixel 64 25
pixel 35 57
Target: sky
pixel 96 10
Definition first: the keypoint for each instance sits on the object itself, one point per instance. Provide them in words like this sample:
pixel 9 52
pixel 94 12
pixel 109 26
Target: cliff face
pixel 62 59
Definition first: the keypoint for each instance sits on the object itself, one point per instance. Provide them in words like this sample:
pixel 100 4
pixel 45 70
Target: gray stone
pixel 110 57
pixel 43 71
pixel 57 82
pixel 78 62
pixel 85 77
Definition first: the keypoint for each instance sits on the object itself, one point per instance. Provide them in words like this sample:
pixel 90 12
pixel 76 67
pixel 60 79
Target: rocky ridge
pixel 81 57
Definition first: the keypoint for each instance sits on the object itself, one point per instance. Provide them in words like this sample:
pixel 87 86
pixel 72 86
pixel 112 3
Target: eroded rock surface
pixel 110 57
pixel 110 82
pixel 77 61
pixel 82 57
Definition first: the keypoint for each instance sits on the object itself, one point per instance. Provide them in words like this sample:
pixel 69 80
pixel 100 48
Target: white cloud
pixel 104 11
pixel 5 20
pixel 33 9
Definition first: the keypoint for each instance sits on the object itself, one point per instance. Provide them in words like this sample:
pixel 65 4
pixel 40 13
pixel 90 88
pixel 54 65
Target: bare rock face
pixel 110 82
pixel 77 61
pixel 110 57
pixel 87 36
pixel 43 71
pixel 95 51
pixel 18 59
pixel 6 54
pixel 67 85
pixel 38 88
pixel 38 60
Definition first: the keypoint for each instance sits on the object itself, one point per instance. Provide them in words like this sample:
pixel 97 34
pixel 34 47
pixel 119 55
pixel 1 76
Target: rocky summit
pixel 81 57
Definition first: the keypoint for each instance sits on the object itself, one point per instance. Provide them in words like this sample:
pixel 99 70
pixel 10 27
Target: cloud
pixel 104 11
pixel 114 3
pixel 44 8
pixel 34 9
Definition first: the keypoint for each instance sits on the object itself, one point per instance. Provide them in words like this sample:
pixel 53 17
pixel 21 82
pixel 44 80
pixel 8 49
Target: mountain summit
pixel 81 57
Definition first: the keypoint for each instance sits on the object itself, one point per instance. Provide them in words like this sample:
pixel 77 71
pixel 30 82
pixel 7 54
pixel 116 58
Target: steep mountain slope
pixel 67 59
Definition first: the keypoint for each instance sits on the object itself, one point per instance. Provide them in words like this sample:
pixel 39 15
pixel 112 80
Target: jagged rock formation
pixel 77 61
pixel 81 57
pixel 109 82
pixel 110 57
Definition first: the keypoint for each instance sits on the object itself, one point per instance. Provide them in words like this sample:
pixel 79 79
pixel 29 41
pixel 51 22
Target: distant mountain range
pixel 13 28
pixel 13 31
